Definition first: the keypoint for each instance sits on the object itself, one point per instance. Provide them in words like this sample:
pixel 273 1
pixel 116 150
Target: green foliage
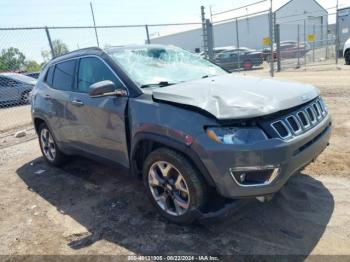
pixel 11 59
pixel 32 66
pixel 59 48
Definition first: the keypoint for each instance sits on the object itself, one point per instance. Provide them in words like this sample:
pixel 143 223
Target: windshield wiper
pixel 159 84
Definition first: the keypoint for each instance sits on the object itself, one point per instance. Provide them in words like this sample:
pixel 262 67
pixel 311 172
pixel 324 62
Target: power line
pixel 235 9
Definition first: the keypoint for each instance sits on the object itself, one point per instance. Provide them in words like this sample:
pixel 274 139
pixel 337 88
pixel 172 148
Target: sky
pixel 27 13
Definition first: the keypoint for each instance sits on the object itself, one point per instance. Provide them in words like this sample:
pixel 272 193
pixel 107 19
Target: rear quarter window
pixel 49 75
pixel 63 75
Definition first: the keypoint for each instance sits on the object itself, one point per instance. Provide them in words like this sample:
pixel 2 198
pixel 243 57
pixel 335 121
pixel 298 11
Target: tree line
pixel 12 59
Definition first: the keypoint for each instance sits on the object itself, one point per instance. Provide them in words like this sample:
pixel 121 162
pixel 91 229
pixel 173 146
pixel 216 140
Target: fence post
pixel 272 62
pixel 313 45
pixel 50 42
pixel 337 37
pixel 298 37
pixel 93 18
pixel 278 46
pixel 239 53
pixel 148 41
pixel 305 54
pixel 204 32
pixel 209 29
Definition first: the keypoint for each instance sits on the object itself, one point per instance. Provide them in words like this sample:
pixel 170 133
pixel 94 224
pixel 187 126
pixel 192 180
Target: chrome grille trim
pixel 312 113
pixel 306 118
pixel 318 112
pixel 285 126
pixel 296 121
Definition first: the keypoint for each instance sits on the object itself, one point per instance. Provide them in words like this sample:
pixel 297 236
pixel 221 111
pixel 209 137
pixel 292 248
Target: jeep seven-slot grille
pixel 300 121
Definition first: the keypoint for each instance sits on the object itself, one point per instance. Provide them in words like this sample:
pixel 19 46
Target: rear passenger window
pixel 49 75
pixel 63 77
pixel 93 70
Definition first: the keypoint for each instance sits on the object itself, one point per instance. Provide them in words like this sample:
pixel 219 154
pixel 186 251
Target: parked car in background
pixel 347 52
pixel 239 58
pixel 192 131
pixel 15 88
pixel 33 74
pixel 218 50
pixel 288 49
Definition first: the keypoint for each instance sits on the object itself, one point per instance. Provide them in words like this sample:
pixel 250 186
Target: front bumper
pixel 289 156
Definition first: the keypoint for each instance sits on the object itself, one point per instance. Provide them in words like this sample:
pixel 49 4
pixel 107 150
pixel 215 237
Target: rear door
pixel 99 123
pixel 56 96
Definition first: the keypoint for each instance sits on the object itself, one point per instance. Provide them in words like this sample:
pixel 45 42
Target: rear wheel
pixel 174 186
pixel 247 65
pixel 48 146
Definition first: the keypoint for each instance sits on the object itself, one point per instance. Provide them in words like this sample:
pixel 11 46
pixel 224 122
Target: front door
pixel 100 122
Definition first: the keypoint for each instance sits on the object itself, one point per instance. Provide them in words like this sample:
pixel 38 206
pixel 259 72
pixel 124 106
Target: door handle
pixel 47 97
pixel 77 102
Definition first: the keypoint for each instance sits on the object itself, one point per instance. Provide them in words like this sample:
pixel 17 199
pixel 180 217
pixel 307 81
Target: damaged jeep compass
pixel 185 126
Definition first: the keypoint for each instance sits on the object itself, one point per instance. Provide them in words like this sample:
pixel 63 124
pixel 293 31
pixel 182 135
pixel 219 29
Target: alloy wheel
pixel 48 144
pixel 169 188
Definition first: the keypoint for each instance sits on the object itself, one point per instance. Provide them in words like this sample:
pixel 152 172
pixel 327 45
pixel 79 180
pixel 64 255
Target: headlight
pixel 236 135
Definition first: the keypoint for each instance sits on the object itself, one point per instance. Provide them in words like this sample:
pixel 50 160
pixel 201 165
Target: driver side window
pixel 93 70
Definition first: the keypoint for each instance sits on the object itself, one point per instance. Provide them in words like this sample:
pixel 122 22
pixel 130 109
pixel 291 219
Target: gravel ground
pixel 90 208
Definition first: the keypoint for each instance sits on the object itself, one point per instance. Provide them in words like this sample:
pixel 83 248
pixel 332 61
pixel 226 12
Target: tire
pixel 248 65
pixel 190 180
pixel 24 98
pixel 56 158
pixel 347 57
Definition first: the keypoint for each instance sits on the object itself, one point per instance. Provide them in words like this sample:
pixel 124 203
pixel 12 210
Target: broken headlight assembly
pixel 236 135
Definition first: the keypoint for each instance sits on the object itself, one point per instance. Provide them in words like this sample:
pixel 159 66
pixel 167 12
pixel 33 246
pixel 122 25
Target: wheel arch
pixel 144 143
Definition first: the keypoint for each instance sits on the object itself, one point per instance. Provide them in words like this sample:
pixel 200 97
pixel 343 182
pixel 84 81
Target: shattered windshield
pixel 162 66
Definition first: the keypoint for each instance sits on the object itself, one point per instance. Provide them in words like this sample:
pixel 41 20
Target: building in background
pixel 297 19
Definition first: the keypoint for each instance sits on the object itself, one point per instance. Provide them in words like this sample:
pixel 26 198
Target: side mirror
pixel 105 88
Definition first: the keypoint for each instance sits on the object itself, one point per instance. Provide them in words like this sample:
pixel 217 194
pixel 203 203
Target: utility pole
pixel 93 19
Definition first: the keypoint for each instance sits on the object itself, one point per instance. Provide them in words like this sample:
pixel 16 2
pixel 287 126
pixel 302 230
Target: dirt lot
pixel 14 117
pixel 90 208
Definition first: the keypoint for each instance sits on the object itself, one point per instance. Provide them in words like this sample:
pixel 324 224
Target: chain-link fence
pixel 24 51
pixel 237 39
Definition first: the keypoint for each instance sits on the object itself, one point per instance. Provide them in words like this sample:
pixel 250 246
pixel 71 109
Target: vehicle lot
pixel 91 208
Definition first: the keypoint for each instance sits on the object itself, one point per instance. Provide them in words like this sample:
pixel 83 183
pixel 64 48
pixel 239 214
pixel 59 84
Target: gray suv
pixel 199 137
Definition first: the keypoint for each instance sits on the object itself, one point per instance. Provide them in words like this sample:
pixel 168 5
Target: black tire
pixel 59 157
pixel 248 65
pixel 347 57
pixel 196 185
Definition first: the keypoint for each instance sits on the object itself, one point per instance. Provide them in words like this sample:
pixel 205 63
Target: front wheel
pixel 174 186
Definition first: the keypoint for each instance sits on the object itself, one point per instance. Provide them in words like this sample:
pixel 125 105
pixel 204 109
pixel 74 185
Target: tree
pixel 46 55
pixel 59 48
pixel 11 59
pixel 32 66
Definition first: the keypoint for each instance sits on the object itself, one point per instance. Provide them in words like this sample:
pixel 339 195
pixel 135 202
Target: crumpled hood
pixel 236 97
